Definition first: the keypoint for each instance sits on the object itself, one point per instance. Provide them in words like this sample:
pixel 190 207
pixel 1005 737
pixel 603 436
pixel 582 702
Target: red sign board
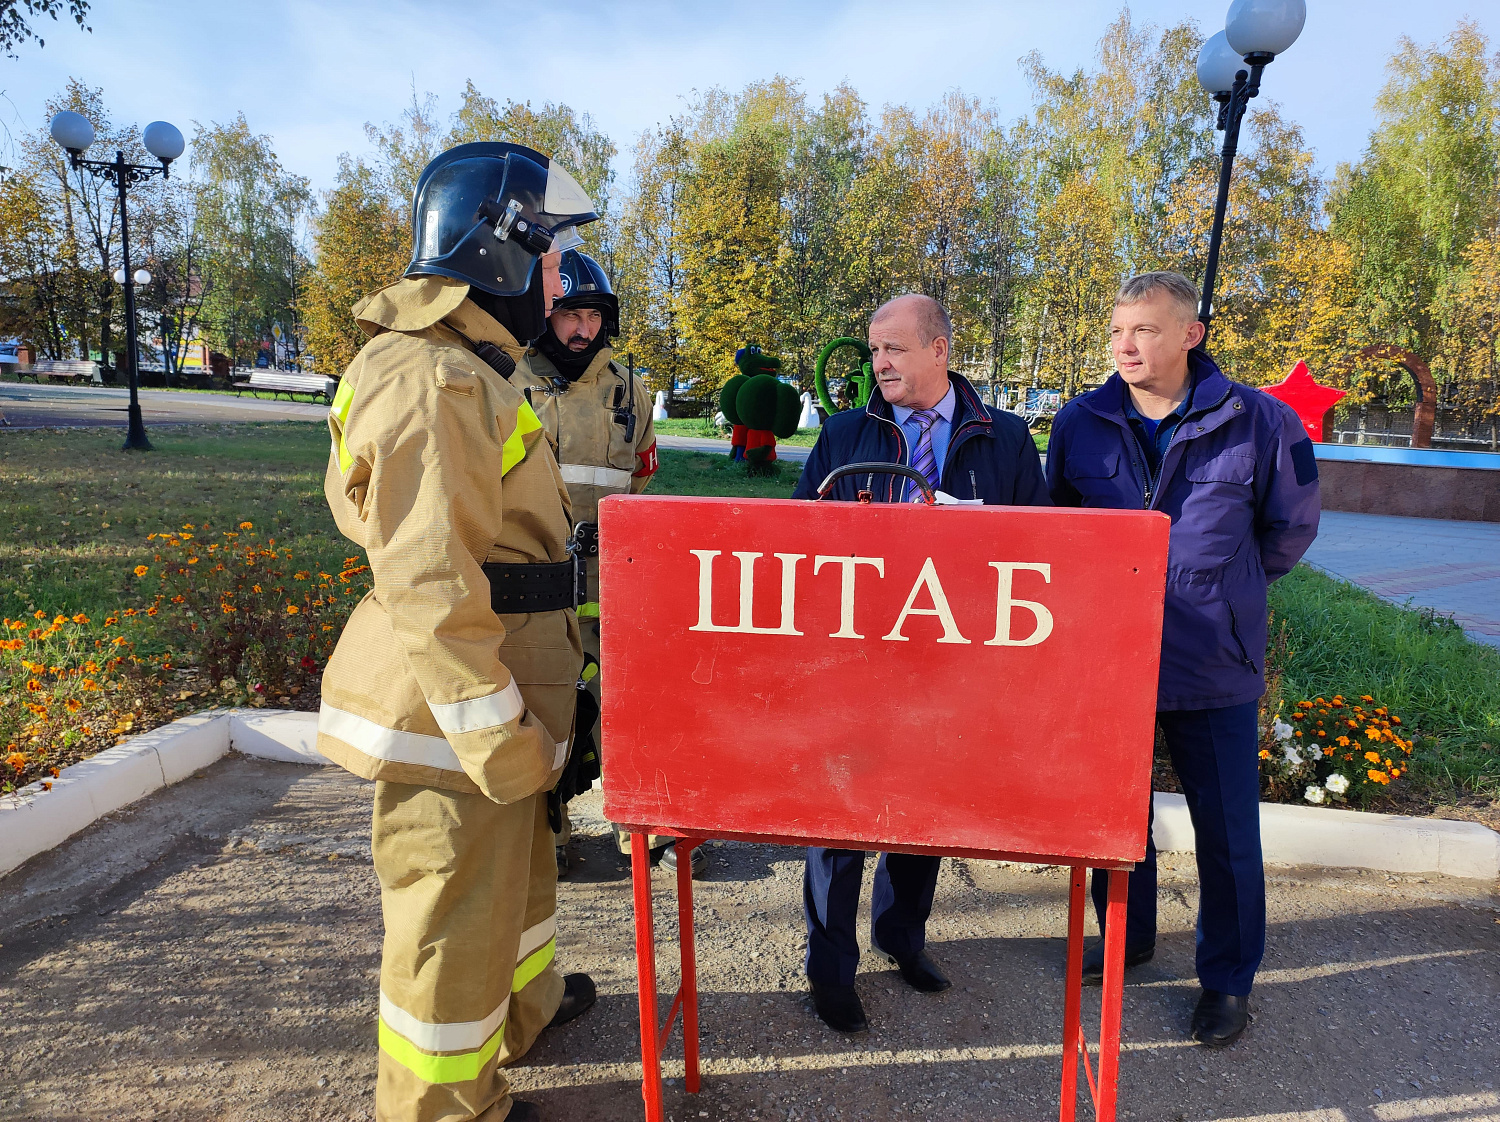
pixel 896 676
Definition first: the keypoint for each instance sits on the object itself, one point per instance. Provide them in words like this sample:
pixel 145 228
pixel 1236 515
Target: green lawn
pixel 75 510
pixel 1447 687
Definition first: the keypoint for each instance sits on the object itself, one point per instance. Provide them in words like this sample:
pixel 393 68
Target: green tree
pixel 251 211
pixel 1426 187
pixel 362 244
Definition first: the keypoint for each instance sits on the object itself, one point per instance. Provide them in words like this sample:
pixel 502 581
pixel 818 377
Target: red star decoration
pixel 1308 400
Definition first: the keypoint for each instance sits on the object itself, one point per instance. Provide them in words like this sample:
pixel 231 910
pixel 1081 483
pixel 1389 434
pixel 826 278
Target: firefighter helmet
pixel 484 212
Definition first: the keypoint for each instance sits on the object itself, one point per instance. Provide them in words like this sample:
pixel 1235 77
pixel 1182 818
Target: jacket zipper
pixel 1234 629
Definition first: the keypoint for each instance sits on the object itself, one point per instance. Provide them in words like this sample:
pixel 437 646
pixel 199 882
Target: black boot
pixel 1220 1018
pixel 1093 960
pixel 578 998
pixel 839 1008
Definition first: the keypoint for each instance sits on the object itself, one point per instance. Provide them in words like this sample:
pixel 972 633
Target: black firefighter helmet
pixel 484 212
pixel 585 286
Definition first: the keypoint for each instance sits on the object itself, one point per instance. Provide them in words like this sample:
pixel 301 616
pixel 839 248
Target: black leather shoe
pixel 700 861
pixel 523 1112
pixel 1093 960
pixel 839 1008
pixel 920 972
pixel 1220 1018
pixel 578 998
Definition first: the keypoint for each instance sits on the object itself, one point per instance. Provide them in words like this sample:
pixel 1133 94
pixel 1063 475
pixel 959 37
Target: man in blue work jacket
pixel 930 419
pixel 1234 469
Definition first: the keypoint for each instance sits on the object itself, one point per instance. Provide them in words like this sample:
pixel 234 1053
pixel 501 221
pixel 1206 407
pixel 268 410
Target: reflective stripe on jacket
pixel 438 465
pixel 1240 483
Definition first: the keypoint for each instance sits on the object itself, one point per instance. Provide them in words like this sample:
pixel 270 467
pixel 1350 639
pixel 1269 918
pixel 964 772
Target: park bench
pixel 60 370
pixel 275 382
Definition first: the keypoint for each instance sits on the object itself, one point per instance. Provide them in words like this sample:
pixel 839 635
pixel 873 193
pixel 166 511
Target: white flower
pixel 1281 729
pixel 1314 794
pixel 1293 757
pixel 1336 783
pixel 1317 751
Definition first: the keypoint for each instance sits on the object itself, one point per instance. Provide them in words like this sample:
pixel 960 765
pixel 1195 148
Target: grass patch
pixel 75 510
pixel 710 473
pixel 1345 640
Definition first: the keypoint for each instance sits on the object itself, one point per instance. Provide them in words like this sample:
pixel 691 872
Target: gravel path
pixel 213 954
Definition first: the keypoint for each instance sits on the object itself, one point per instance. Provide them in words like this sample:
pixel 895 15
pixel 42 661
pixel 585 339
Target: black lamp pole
pixel 122 175
pixel 1232 106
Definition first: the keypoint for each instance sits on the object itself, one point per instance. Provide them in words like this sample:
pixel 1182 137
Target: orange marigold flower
pixel 1264 754
pixel 73 705
pixel 188 526
pixel 1373 757
pixel 39 614
pixel 247 526
pixel 1372 733
pixel 292 609
pixel 1365 697
pixel 80 618
pixel 1342 741
pixel 119 640
pixel 11 644
pixel 33 685
pixel 16 624
pixel 142 570
pixel 17 760
pixel 1395 720
pixel 110 621
pixel 255 587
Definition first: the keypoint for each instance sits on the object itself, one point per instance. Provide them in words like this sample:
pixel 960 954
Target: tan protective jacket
pixel 595 457
pixel 439 465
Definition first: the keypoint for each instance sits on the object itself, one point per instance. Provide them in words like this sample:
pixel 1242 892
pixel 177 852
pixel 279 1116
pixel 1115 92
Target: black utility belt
pixel 519 589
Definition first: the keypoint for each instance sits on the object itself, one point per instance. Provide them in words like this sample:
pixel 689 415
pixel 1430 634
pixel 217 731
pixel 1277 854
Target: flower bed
pixel 224 618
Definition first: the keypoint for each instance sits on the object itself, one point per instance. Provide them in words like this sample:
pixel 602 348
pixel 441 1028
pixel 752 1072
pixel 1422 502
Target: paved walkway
pixel 1451 567
pixel 46 406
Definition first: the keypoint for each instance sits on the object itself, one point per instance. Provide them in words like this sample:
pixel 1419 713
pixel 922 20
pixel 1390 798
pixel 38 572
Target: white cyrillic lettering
pixel 1004 603
pixel 928 578
pixel 747 593
pixel 846 590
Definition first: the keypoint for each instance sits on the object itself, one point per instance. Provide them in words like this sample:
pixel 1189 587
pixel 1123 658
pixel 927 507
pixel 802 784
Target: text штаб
pixel 927 587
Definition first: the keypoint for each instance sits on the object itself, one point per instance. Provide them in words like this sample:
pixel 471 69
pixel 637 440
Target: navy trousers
pixel 904 886
pixel 1214 754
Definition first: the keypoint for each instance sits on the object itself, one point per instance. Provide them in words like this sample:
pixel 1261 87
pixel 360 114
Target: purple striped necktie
pixel 922 457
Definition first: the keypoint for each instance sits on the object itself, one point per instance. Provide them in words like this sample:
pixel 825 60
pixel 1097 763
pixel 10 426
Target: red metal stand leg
pixel 645 962
pixel 1114 992
pixel 689 989
pixel 1073 997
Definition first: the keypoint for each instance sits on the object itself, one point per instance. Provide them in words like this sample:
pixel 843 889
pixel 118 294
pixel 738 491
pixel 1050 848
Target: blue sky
pixel 311 73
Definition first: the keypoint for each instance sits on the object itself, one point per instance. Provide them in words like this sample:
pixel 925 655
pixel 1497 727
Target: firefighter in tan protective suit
pixel 598 414
pixel 453 684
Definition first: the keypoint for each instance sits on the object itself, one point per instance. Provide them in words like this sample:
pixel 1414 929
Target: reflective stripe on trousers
pixel 468 1045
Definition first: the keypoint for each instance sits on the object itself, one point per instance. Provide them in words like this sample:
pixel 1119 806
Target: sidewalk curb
pixel 1350 839
pixel 34 820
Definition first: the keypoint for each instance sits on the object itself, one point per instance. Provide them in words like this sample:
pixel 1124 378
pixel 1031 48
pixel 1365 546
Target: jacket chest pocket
pixel 1093 475
pixel 1225 468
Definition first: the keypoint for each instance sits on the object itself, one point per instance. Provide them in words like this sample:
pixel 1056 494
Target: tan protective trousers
pixel 590 630
pixel 468 891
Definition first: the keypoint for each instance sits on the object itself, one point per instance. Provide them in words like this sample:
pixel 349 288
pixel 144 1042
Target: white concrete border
pixel 1350 839
pixel 32 821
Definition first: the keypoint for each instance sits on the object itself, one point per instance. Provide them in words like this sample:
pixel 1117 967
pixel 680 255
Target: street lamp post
pixel 1229 67
pixel 164 141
